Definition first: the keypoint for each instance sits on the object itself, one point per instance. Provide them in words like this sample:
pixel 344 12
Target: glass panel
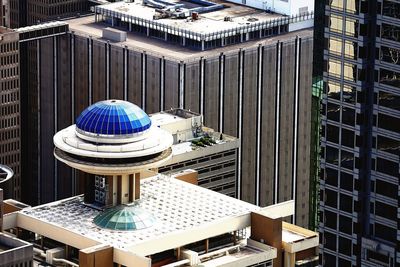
pixel 346 181
pixel 390 32
pixel 332 155
pixel 351 28
pixel 389 123
pixel 391 9
pixel 349 94
pixel 336 24
pixel 337 4
pixel 333 112
pixel 390 55
pixel 347 160
pixel 389 100
pixel 389 77
pixel 333 90
pixel 352 6
pixel 350 49
pixel 389 145
pixel 335 46
pixel 332 134
pixel 346 203
pixel 334 68
pixel 350 72
pixel 387 167
pixel 348 116
pixel 347 138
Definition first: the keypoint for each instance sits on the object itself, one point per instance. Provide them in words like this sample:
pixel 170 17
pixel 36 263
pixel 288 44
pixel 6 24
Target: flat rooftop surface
pixel 163 118
pixel 207 23
pixel 178 207
pixel 87 26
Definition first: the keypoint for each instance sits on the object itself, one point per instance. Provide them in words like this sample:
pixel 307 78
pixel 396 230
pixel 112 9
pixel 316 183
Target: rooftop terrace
pixel 219 23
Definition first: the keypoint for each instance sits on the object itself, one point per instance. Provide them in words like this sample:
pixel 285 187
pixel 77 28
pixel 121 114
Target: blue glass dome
pixel 113 117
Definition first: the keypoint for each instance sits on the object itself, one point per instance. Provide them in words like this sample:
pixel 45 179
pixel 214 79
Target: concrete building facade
pixel 10 135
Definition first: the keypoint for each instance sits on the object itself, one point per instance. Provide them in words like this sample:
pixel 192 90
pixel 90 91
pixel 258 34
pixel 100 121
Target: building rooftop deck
pixel 207 23
pixel 178 206
pixel 86 26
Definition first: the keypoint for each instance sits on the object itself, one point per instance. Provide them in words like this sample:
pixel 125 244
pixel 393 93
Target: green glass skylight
pixel 124 218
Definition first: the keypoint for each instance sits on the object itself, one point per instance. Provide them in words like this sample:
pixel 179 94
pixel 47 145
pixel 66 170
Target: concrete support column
pixel 202 45
pixel 241 37
pixel 165 36
pixel 289 259
pixel 112 21
pixel 130 26
pixel 223 41
pixel 247 36
pixel 183 41
pixel 148 31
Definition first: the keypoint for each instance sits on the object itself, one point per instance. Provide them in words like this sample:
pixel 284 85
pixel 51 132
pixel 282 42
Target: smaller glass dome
pixel 124 218
pixel 114 118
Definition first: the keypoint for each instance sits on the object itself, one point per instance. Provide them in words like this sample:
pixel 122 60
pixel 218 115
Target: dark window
pixel 389 77
pixel 346 181
pixel 330 241
pixel 332 155
pixel 390 55
pixel 389 123
pixel 333 112
pixel 386 189
pixel 388 145
pixel 330 198
pixel 331 176
pixel 386 233
pixel 346 203
pixel 345 247
pixel 391 9
pixel 389 100
pixel 344 262
pixel 347 160
pixel 347 138
pixel 390 32
pixel 348 116
pixel 345 224
pixel 387 167
pixel 386 211
pixel 332 134
pixel 330 219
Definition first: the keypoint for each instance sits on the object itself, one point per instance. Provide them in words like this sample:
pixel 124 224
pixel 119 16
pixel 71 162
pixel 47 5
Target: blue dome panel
pixel 113 117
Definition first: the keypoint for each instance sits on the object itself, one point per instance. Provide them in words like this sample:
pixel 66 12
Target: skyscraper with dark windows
pixel 359 189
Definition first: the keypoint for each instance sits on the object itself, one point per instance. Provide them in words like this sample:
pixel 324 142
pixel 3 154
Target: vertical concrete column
pixel 73 173
pixel 126 52
pixel 97 256
pixel 277 121
pixel 247 36
pixel 289 259
pixel 166 36
pixel 38 47
pixel 268 231
pixel 124 189
pixel 258 139
pixel 202 45
pixel 221 93
pixel 144 59
pixel 184 41
pixel 148 31
pixel 108 47
pixel 55 90
pixel 202 63
pixel 162 83
pixel 240 109
pixel 90 66
pixel 181 84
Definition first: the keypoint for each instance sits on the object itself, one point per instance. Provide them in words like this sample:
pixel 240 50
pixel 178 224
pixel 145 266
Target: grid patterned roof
pixel 113 117
pixel 124 218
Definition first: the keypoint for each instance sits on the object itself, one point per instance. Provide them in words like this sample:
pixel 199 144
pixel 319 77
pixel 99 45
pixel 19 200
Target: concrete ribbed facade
pixel 259 93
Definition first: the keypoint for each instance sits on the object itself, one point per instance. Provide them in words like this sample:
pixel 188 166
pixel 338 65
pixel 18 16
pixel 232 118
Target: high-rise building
pixel 31 12
pixel 4 13
pixel 10 138
pixel 359 217
pixel 252 81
